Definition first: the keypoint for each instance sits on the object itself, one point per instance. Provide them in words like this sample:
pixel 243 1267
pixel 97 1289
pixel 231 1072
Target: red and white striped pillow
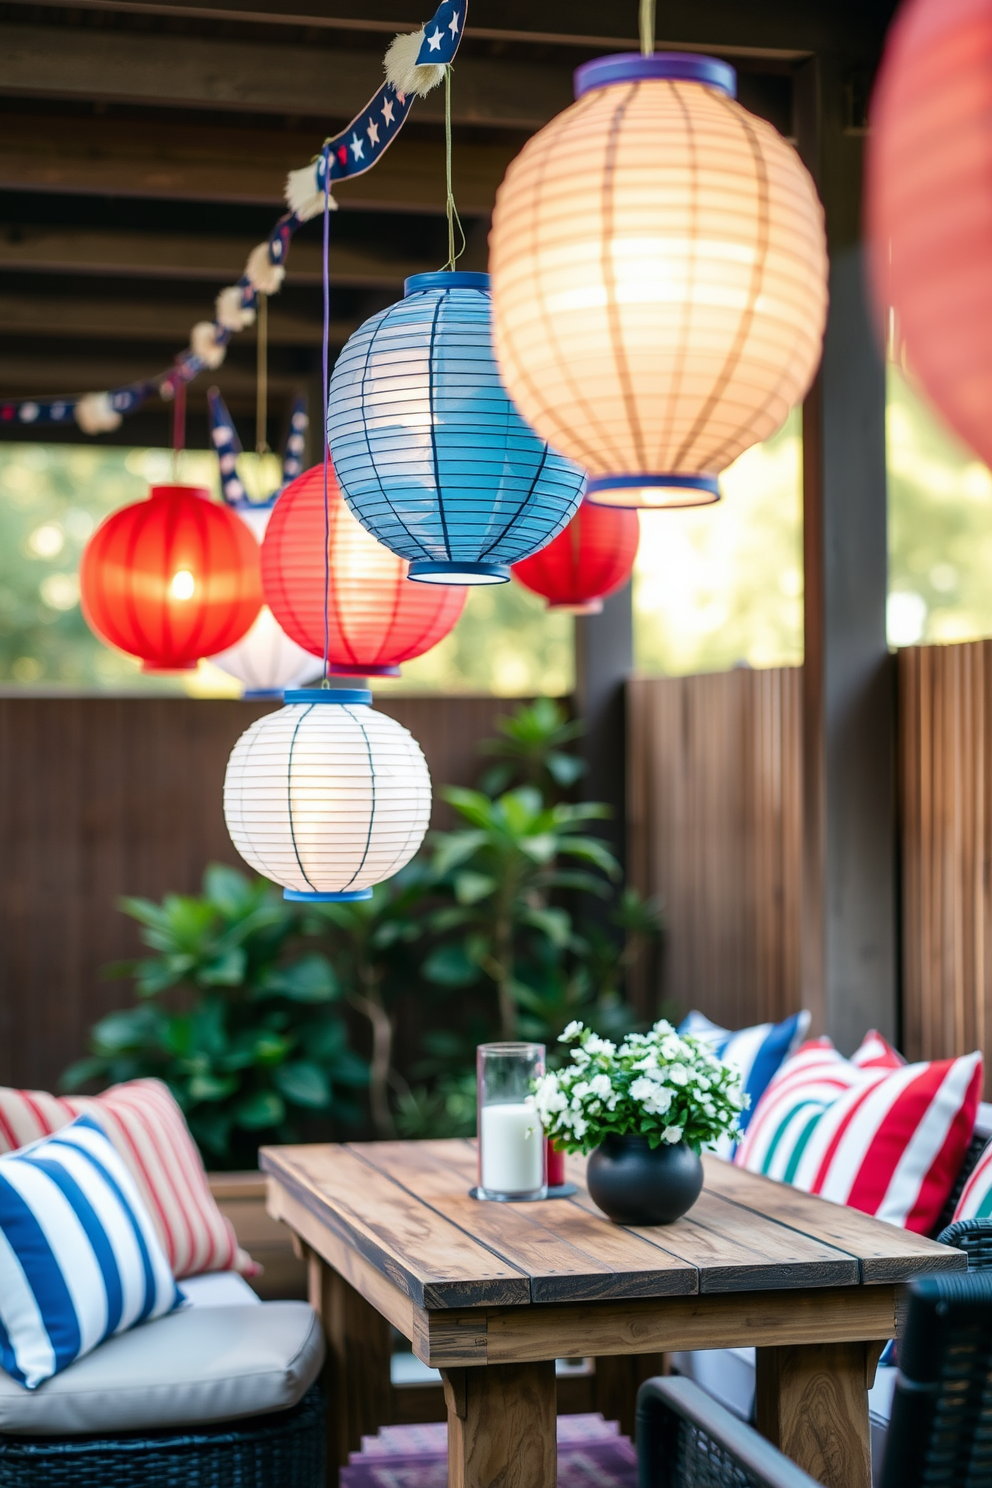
pixel 976 1196
pixel 874 1132
pixel 149 1131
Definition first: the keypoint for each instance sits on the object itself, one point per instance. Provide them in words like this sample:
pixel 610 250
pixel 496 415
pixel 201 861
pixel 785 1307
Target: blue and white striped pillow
pixel 79 1257
pixel 755 1052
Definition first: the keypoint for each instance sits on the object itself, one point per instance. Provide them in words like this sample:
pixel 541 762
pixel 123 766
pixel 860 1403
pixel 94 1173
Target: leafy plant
pixel 531 750
pixel 233 1015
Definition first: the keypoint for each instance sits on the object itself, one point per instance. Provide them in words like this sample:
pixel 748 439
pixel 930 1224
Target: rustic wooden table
pixel 492 1294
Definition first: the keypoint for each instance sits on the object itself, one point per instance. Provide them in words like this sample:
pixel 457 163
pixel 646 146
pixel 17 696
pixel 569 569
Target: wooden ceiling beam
pixel 187 256
pixel 189 162
pixel 164 70
pixel 48 371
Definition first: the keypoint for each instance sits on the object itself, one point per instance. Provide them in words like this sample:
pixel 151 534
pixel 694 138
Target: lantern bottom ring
pixel 261 694
pixel 649 491
pixel 314 896
pixel 434 571
pixel 342 669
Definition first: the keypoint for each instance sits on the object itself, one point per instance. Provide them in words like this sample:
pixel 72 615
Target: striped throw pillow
pixel 150 1133
pixel 79 1257
pixel 874 1132
pixel 976 1196
pixel 755 1052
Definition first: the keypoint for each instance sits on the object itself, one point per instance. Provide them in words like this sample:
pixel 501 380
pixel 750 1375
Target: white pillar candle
pixel 512 1141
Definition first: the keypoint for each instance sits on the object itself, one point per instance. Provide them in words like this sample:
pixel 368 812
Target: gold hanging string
pixel 450 208
pixel 262 376
pixel 647 27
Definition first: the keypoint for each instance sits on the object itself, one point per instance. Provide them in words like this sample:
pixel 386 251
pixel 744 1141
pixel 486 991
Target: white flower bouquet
pixel 660 1085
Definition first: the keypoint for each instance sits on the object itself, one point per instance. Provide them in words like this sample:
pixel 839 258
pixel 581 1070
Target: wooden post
pixel 502 1426
pixel 812 1403
pixel 604 658
pixel 849 920
pixel 616 1382
pixel 356 1373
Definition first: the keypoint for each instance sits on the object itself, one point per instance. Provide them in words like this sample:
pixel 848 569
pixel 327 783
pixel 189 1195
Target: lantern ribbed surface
pixel 376 618
pixel 929 204
pixel 326 796
pixel 659 281
pixel 587 562
pixel 431 455
pixel 171 579
pixel 266 661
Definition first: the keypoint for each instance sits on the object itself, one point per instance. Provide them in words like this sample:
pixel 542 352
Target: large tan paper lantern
pixel 659 274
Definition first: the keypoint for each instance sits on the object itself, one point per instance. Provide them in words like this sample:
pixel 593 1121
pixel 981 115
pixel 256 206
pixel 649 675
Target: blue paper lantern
pixel 431 454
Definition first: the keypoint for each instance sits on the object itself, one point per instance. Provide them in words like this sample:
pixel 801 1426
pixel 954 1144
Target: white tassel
pixel 263 275
pixel 204 344
pixel 231 313
pixel 94 414
pixel 402 69
pixel 304 195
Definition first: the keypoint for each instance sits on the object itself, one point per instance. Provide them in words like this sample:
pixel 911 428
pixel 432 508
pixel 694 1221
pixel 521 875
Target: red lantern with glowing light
pixel 376 617
pixel 929 204
pixel 586 562
pixel 171 579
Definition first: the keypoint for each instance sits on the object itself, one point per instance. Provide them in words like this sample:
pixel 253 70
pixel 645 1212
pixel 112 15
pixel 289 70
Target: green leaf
pixel 472 805
pixel 155 976
pixel 565 769
pixel 82 1072
pixel 556 924
pixel 229 890
pixel 540 849
pixel 128 1029
pixel 263 1108
pixel 211 1088
pixel 453 848
pixel 449 966
pixel 304 1084
pixel 471 887
pixel 311 979
pixel 270 1048
pixel 591 850
pixel 226 971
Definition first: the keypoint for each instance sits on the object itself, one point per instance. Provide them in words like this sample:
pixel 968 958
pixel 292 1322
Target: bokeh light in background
pixel 713 588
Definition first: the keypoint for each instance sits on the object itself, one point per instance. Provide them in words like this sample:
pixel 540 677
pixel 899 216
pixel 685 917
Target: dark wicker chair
pixel 940 1434
pixel 283 1450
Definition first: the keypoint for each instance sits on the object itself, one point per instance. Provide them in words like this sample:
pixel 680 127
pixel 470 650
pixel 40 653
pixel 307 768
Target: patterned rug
pixel 591 1454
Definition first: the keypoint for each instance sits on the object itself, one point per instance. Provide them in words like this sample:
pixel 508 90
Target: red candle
pixel 556 1166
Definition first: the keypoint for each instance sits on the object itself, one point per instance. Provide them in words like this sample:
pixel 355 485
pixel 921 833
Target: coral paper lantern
pixel 171 579
pixel 326 796
pixel 929 203
pixel 432 456
pixel 659 278
pixel 587 562
pixel 376 618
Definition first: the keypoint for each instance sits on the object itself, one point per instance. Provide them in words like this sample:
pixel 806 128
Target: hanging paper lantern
pixel 587 562
pixel 326 796
pixel 171 579
pixel 929 204
pixel 659 278
pixel 432 456
pixel 375 617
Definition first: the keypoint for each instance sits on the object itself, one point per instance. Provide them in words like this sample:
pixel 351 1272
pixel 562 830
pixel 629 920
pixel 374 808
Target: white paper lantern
pixel 326 796
pixel 266 661
pixel 659 271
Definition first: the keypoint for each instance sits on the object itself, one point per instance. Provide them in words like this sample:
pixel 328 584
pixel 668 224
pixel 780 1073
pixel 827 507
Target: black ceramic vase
pixel 634 1183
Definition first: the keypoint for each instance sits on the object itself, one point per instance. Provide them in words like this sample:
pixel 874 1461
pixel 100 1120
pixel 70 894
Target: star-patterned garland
pixel 352 152
pixel 224 438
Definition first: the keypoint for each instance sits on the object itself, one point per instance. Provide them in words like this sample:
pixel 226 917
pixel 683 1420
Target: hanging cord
pixel 178 427
pixel 323 421
pixel 450 209
pixel 647 27
pixel 262 376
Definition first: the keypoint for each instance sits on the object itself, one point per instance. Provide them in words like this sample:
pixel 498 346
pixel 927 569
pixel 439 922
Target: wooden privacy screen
pixel 945 804
pixel 101 797
pixel 715 831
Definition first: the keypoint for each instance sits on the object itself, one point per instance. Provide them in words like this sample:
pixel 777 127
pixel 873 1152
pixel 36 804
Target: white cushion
pixel 201 1364
pixel 219 1289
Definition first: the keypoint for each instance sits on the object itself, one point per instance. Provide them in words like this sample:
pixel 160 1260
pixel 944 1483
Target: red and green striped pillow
pixel 976 1197
pixel 874 1132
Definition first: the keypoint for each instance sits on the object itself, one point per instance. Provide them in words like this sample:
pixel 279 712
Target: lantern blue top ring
pixel 327 695
pixel 632 67
pixel 445 279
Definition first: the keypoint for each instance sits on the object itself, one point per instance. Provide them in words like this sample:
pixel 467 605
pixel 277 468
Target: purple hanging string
pixel 323 418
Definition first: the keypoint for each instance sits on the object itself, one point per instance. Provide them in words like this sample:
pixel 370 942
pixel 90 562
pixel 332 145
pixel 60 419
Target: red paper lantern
pixel 376 617
pixel 929 203
pixel 171 579
pixel 586 562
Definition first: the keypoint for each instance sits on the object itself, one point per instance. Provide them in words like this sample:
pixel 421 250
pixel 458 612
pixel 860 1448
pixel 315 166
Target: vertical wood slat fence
pixel 102 797
pixel 715 831
pixel 945 809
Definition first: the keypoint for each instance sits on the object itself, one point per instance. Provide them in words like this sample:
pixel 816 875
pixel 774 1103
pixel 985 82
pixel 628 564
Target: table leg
pixel 616 1382
pixel 502 1423
pixel 356 1374
pixel 812 1403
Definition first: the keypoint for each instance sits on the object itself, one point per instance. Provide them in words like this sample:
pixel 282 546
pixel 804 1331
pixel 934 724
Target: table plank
pixel 433 1261
pixel 569 1253
pixel 736 1249
pixel 885 1252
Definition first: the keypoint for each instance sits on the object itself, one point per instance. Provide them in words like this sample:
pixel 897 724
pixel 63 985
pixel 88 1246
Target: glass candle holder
pixel 511 1138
